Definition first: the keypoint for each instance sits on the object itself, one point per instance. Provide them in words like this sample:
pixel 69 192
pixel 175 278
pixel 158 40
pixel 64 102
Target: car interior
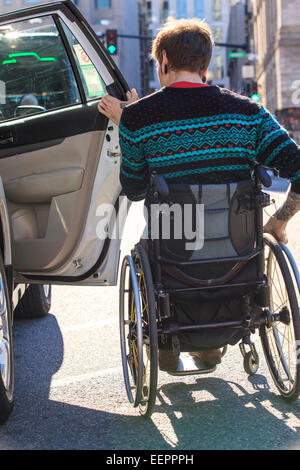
pixel 50 140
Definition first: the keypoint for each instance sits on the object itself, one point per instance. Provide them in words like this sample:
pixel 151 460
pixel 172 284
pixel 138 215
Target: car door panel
pixel 37 131
pixel 66 210
pixel 59 166
pixel 41 188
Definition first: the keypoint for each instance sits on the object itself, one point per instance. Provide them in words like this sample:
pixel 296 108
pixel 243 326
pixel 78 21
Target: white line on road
pixel 83 377
pixel 95 324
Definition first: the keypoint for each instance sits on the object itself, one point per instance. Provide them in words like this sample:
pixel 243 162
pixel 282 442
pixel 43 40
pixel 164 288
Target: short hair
pixel 188 44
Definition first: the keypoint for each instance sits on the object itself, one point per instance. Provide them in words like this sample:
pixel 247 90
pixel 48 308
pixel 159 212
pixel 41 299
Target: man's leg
pixel 210 358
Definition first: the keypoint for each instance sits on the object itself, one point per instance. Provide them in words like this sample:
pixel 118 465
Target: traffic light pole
pixel 150 38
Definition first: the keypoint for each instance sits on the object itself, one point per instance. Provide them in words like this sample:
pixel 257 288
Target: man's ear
pixel 204 76
pixel 165 62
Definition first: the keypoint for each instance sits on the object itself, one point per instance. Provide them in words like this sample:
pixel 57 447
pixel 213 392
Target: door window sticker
pixel 91 77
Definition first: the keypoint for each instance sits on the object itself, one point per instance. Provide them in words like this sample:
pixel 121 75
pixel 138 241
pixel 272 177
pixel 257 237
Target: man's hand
pixel 112 107
pixel 277 228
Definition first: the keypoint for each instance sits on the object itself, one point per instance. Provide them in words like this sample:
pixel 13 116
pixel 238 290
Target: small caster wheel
pixel 251 363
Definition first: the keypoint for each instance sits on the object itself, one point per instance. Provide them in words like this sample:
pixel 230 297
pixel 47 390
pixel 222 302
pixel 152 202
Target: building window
pixel 218 67
pixel 218 34
pixel 181 9
pixel 151 71
pixel 149 12
pixel 199 8
pixel 102 3
pixel 164 11
pixel 217 10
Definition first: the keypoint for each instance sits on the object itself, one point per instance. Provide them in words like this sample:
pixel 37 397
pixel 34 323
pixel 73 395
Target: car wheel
pixel 6 349
pixel 35 303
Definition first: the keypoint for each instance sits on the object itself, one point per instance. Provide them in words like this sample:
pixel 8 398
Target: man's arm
pixel 276 225
pixel 275 149
pixel 134 167
pixel 289 208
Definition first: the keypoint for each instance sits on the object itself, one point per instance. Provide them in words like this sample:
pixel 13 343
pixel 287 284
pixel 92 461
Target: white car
pixel 59 163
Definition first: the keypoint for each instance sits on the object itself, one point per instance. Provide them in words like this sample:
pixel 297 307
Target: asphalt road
pixel 70 393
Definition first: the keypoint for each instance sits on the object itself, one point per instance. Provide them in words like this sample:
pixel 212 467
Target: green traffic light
pixel 112 49
pixel 255 97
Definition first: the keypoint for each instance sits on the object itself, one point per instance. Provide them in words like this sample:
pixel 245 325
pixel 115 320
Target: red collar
pixel 188 85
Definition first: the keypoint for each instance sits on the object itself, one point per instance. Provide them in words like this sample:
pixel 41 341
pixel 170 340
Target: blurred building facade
pixel 216 13
pixel 122 15
pixel 236 35
pixel 145 45
pixel 277 43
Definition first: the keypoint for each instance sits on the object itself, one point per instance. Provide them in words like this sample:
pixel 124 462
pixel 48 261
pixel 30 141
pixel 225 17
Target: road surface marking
pixel 57 382
pixel 94 324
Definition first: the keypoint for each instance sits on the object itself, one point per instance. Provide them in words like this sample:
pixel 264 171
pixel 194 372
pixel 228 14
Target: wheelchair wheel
pixel 280 337
pixel 251 363
pixel 149 325
pixel 138 331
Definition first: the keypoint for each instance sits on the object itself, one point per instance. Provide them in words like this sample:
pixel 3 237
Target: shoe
pixel 167 361
pixel 210 358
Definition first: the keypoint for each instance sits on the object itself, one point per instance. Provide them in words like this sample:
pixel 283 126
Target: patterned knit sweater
pixel 201 135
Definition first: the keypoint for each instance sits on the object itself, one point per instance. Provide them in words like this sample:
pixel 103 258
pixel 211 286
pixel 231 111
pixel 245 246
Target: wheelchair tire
pixel 251 364
pixel 138 333
pixel 280 339
pixel 150 340
pixel 131 331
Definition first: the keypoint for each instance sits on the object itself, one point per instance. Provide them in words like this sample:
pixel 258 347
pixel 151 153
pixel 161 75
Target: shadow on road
pixel 208 413
pixel 37 422
pixel 230 418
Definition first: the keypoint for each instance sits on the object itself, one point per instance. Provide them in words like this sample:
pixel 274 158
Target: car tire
pixel 6 349
pixel 35 303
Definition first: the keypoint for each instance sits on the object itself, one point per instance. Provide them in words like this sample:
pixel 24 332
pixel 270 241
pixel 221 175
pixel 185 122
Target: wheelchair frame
pixel 153 304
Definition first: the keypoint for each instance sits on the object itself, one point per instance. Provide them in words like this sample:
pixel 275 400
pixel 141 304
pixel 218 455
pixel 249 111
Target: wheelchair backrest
pixel 198 222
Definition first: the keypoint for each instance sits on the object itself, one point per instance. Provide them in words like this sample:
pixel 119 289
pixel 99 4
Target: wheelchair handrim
pixel 138 380
pixel 150 369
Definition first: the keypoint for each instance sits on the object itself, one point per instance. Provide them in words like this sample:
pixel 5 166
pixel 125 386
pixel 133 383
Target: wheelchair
pixel 216 291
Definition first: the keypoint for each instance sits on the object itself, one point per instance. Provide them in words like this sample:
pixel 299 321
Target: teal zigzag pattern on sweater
pixel 201 137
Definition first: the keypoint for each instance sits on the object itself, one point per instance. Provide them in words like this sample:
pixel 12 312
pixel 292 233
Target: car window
pixel 93 84
pixel 35 72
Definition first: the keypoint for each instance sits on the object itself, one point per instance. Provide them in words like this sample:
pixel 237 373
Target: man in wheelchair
pixel 208 144
pixel 203 250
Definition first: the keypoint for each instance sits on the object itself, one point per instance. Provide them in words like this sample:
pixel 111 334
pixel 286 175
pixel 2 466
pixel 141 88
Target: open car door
pixel 59 157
